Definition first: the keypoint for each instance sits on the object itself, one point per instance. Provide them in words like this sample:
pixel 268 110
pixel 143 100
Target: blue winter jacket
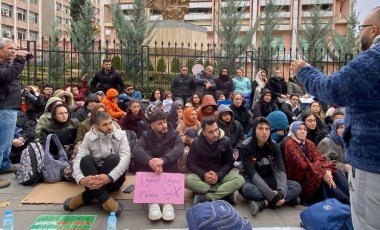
pixel 357 87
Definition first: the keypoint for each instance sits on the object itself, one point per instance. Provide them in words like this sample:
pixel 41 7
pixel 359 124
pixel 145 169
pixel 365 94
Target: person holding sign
pixel 100 165
pixel 209 162
pixel 158 150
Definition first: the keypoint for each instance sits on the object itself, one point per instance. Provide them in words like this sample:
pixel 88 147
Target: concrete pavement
pixel 134 216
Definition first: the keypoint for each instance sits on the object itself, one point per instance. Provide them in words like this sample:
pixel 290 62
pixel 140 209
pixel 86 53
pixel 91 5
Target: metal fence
pixel 150 67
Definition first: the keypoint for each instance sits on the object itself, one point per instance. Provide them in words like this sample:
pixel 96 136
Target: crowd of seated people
pixel 275 140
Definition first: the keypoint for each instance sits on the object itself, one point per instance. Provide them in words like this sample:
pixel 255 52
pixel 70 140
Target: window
pixel 6 31
pixel 277 43
pixel 59 7
pixel 66 9
pixel 21 14
pixel 33 35
pixel 21 34
pixel 33 2
pixel 6 10
pixel 58 20
pixel 65 21
pixel 33 17
pixel 304 45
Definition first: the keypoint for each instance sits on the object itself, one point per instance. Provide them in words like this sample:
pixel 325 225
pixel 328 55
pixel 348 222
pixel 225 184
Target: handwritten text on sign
pixel 164 188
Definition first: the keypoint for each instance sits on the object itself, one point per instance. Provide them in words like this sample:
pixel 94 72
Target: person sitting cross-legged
pixel 264 171
pixel 158 150
pixel 209 162
pixel 100 165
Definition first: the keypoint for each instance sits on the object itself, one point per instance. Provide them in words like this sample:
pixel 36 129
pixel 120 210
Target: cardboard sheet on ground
pixel 63 222
pixel 57 193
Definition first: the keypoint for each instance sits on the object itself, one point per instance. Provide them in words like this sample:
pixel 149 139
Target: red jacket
pixel 307 169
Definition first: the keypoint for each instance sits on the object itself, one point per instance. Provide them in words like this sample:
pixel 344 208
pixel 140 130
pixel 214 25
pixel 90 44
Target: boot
pixel 73 203
pixel 110 205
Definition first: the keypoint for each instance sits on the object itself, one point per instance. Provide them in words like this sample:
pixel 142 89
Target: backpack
pixel 329 214
pixel 54 162
pixel 215 215
pixel 31 162
pixel 132 138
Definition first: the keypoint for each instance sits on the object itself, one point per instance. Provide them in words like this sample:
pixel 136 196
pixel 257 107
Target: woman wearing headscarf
pixel 332 146
pixel 175 114
pixel 188 122
pixel 305 164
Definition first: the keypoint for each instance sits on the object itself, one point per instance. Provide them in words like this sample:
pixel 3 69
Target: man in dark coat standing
pixel 11 65
pixel 107 78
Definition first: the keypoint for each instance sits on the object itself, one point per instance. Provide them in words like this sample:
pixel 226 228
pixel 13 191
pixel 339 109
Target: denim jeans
pixel 8 118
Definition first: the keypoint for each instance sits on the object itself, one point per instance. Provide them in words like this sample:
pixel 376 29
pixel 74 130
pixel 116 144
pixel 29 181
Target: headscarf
pixel 259 81
pixel 333 135
pixel 186 117
pixel 293 131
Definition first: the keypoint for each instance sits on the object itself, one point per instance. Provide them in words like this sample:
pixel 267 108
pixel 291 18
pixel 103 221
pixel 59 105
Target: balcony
pixel 313 2
pixel 276 2
pixel 198 17
pixel 307 14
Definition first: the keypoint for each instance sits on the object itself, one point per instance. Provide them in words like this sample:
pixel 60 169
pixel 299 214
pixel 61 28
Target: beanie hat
pixel 92 97
pixel 151 113
pixel 278 121
pixel 100 93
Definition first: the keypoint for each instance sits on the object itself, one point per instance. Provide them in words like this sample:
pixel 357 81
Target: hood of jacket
pixel 225 108
pixel 111 93
pixel 208 100
pixel 69 96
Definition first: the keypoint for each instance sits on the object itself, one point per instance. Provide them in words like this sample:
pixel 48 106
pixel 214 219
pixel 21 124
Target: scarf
pixel 186 117
pixel 333 135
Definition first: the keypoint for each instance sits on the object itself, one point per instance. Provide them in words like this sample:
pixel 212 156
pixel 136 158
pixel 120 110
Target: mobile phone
pixel 128 189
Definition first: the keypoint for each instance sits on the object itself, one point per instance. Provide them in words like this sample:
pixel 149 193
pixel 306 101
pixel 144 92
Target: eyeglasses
pixel 361 27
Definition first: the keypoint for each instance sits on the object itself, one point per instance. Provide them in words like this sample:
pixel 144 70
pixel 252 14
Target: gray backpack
pixel 55 161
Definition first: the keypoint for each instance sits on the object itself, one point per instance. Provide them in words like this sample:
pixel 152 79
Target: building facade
pixel 293 14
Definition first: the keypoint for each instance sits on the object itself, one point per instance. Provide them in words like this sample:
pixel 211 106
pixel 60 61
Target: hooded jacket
pixel 224 83
pixel 206 101
pixel 111 105
pixel 263 166
pixel 233 129
pixel 262 108
pixel 130 121
pixel 172 115
pixel 46 117
pixel 204 156
pixel 170 148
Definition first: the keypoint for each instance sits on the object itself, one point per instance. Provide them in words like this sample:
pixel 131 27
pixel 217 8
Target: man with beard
pixel 210 162
pixel 356 87
pixel 100 165
pixel 158 150
pixel 224 83
pixel 107 78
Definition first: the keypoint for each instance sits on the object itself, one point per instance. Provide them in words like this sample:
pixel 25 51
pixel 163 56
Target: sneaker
pixel 155 212
pixel 168 212
pixel 200 198
pixel 73 203
pixel 110 205
pixel 4 183
pixel 255 207
pixel 12 169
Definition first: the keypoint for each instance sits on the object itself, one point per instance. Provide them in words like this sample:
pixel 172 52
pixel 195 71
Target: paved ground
pixel 134 216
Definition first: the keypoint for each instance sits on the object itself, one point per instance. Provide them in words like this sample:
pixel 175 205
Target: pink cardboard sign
pixel 164 188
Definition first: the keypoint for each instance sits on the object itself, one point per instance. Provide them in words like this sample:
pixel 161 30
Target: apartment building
pixel 294 14
pixel 20 19
pixel 29 20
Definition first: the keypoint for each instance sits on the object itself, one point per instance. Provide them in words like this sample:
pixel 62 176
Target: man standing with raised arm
pixel 356 87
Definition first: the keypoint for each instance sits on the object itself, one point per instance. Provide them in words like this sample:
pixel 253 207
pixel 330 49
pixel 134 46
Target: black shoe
pixel 230 198
pixel 200 198
pixel 294 202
